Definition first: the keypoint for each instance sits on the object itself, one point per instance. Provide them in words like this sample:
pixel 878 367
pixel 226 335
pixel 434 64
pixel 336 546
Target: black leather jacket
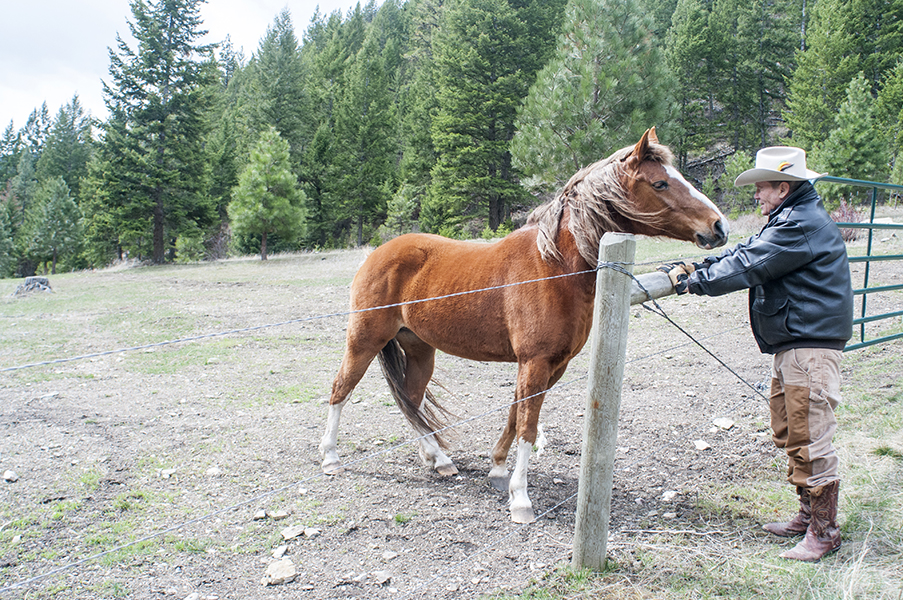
pixel 798 275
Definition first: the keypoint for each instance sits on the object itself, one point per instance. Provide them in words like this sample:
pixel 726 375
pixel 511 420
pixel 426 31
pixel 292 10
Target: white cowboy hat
pixel 778 163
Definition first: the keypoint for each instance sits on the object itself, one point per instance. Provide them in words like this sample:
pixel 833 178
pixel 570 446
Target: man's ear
pixel 785 189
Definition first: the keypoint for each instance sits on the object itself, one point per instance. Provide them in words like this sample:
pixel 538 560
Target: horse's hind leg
pixel 419 363
pixel 498 473
pixel 350 373
pixel 359 353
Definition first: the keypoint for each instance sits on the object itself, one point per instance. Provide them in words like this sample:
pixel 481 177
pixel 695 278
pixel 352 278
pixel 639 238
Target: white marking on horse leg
pixel 433 457
pixel 519 501
pixel 541 440
pixel 332 464
pixel 499 472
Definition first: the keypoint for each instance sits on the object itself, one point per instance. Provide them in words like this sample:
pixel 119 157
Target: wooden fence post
pixel 600 424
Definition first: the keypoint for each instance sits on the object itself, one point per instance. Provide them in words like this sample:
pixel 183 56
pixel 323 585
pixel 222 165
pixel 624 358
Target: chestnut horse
pixel 541 326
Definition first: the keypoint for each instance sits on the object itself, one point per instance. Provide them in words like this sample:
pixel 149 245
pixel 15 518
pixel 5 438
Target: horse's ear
pixel 652 137
pixel 642 147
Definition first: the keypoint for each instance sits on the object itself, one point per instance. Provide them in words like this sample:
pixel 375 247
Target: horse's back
pixel 422 265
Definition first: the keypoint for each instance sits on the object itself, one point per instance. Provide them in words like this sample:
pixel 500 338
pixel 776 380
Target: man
pixel 801 311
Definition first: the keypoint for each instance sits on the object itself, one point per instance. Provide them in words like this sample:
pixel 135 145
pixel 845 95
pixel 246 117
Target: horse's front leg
pixel 532 382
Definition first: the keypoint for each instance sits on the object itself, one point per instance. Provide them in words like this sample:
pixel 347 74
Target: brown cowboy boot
pixel 823 536
pixel 799 524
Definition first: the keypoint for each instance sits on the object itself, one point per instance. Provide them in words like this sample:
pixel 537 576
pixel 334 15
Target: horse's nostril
pixel 719 228
pixel 722 230
pixel 717 236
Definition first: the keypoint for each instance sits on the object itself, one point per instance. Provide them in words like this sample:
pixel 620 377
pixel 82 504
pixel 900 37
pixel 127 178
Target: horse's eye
pixel 660 185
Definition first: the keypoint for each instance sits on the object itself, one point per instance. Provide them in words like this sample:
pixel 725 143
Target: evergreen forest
pixel 448 116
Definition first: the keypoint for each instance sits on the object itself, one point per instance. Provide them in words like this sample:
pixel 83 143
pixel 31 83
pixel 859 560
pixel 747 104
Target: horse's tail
pixel 426 418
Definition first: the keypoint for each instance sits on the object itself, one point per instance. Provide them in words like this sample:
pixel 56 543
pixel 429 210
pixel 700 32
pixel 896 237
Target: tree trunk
pixel 263 246
pixel 159 246
pixel 803 29
pixel 494 212
pixel 53 264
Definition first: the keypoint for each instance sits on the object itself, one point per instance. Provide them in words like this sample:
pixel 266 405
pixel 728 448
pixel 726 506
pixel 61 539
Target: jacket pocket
pixel 769 317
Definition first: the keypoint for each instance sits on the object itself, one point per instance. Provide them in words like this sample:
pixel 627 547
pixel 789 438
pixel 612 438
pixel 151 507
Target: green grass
pixel 191 546
pixel 404 518
pixel 107 310
pixel 293 393
pixel 168 360
pixel 110 589
pixel 90 479
pixel 887 451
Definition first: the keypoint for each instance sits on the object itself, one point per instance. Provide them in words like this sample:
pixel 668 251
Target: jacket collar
pixel 803 194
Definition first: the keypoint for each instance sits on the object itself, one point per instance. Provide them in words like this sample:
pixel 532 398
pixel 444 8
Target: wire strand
pixel 295 321
pixel 290 322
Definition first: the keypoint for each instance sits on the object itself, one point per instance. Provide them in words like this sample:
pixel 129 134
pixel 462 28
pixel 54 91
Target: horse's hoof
pixel 447 470
pixel 522 514
pixel 500 483
pixel 332 468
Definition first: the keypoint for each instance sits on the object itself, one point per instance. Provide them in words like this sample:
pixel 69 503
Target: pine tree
pixel 68 146
pixel 845 37
pixel 758 67
pixel 329 48
pixel 7 260
pixel 486 55
pixel 57 229
pixel 604 87
pixel 236 127
pixel 661 12
pixel 417 100
pixel 856 147
pixel 734 199
pixel 730 59
pixel 694 69
pixel 156 133
pixel 10 151
pixel 36 130
pixel 110 231
pixel 267 200
pixel 890 117
pixel 283 96
pixel 21 199
pixel 365 133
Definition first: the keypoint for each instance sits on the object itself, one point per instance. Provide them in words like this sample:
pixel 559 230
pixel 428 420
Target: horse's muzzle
pixel 717 236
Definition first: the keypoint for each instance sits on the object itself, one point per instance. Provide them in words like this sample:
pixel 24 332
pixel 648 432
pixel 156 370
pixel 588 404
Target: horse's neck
pixel 567 246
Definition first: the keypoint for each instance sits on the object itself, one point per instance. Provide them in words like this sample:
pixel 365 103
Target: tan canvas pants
pixel 805 390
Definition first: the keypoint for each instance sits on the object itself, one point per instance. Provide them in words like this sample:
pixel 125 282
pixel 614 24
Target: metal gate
pixel 864 318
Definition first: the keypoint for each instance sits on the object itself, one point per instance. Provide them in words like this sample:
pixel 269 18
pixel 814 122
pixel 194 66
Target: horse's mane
pixel 595 198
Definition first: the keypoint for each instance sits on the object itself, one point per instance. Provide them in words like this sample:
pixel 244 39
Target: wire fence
pixel 425 585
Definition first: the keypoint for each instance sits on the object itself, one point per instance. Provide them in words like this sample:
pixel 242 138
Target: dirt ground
pixel 188 443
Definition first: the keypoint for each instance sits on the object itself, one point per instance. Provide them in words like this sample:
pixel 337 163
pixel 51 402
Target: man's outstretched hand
pixel 678 273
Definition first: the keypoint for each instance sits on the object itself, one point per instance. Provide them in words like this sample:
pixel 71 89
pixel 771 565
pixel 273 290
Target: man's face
pixel 770 196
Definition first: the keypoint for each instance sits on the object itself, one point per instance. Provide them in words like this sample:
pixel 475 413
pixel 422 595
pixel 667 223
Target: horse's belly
pixel 469 334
